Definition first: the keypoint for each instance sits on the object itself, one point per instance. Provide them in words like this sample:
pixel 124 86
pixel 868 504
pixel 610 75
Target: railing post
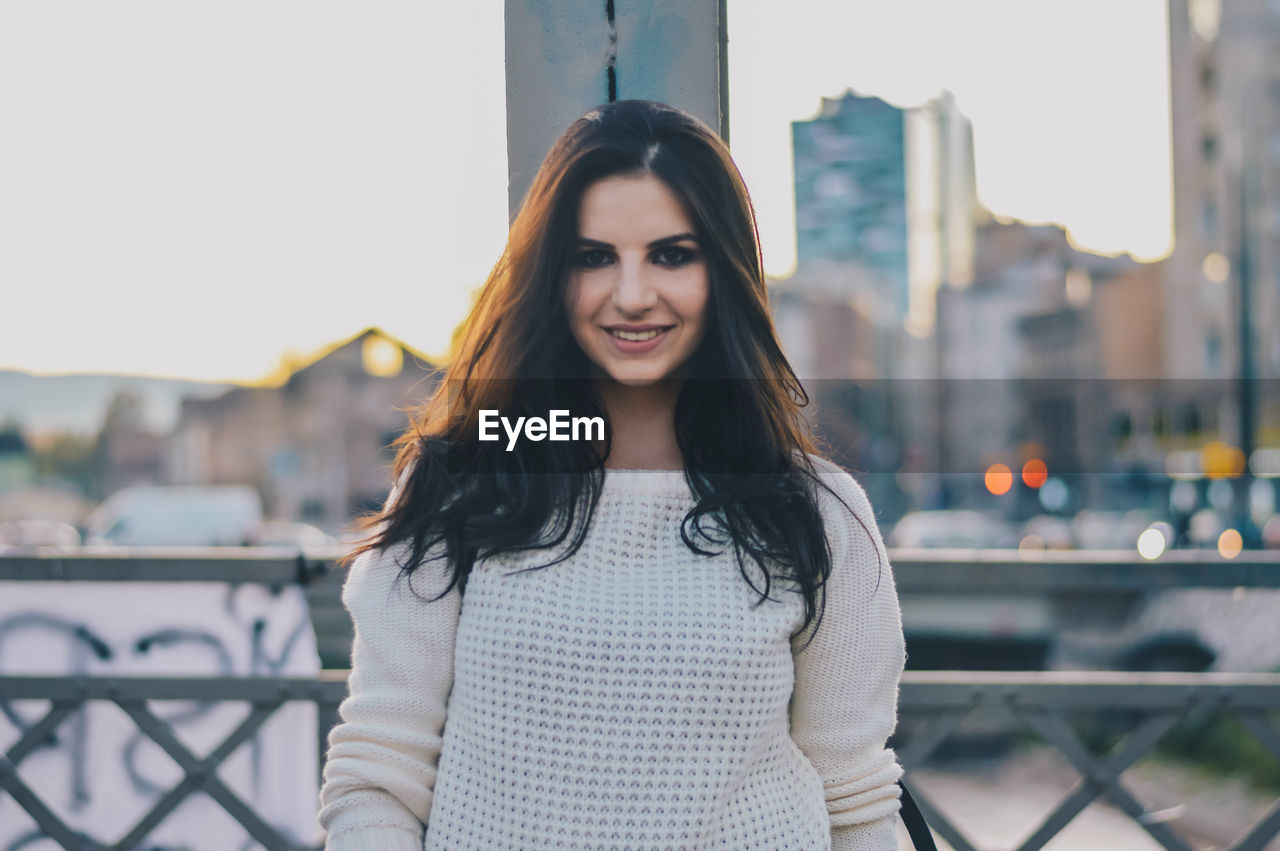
pixel 326 719
pixel 566 56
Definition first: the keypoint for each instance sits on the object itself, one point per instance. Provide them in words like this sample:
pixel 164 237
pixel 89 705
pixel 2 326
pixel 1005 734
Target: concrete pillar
pixel 566 56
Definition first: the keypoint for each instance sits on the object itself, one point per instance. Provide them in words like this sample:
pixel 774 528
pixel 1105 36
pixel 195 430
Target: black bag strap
pixel 917 827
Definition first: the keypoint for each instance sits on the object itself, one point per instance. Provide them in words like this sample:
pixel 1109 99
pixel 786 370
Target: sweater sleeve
pixel 380 774
pixel 844 705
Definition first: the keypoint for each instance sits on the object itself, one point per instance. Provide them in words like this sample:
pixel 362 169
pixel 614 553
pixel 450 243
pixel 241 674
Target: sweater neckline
pixel 646 482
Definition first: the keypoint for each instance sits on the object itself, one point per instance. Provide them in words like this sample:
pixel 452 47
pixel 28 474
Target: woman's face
pixel 637 291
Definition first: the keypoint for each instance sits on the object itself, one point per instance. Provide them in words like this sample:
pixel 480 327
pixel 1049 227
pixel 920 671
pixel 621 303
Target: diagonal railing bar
pixel 922 743
pixel 22 794
pixel 162 808
pixel 163 736
pixel 1100 775
pixel 1257 837
pixel 925 741
pixel 1100 771
pixel 1156 826
pixel 189 784
pixel 1077 799
pixel 325 691
pixel 38 732
pixel 1258 724
pixel 1148 820
pixel 939 823
pixel 1261 833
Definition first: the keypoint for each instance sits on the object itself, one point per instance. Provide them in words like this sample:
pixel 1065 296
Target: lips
pixel 636 336
pixel 636 339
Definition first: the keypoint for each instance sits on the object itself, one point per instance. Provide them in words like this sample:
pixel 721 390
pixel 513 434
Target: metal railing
pixel 68 694
pixel 1037 700
pixel 941 699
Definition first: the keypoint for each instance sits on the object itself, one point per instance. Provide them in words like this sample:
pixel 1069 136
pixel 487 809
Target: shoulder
pixel 371 575
pixel 848 518
pixel 861 579
pixel 839 493
pixel 383 599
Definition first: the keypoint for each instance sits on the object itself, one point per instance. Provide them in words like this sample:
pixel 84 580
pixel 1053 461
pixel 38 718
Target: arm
pixel 844 705
pixel 381 768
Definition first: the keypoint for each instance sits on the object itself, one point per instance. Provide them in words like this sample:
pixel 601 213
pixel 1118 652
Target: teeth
pixel 636 336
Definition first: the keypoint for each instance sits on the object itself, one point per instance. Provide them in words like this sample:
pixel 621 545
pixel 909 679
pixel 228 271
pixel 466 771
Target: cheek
pixel 695 297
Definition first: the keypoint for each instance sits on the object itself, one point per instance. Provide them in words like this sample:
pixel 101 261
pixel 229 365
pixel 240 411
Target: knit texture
pixel 633 696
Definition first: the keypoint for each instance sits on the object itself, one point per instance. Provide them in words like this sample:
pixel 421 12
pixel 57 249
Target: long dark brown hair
pixel 746 446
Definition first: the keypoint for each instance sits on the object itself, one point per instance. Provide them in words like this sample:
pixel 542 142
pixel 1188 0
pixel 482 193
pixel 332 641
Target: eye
pixel 673 256
pixel 593 259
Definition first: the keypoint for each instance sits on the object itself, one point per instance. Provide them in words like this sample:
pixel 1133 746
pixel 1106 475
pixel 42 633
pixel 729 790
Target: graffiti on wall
pixel 97 771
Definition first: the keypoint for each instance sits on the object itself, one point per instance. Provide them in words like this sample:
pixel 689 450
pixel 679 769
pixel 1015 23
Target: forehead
pixel 631 208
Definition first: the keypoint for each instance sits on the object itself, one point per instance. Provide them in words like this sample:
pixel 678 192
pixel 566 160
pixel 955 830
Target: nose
pixel 633 292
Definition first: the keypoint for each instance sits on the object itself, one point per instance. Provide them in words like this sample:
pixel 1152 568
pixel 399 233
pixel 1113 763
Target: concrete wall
pixel 566 56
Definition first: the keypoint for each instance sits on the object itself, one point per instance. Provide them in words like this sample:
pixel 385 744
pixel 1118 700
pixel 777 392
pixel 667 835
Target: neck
pixel 642 420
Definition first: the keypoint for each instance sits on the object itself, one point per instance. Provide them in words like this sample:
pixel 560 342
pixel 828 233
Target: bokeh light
pixel 1216 268
pixel 1230 543
pixel 1265 463
pixel 1055 495
pixel 1031 547
pixel 1183 465
pixel 999 479
pixel 1221 495
pixel 1034 473
pixel 382 357
pixel 1151 543
pixel 1221 460
pixel 1271 533
pixel 1183 497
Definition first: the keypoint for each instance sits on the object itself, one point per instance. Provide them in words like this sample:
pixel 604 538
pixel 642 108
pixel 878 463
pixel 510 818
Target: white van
pixel 177 516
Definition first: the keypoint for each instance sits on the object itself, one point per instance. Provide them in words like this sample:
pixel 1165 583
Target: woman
pixel 680 633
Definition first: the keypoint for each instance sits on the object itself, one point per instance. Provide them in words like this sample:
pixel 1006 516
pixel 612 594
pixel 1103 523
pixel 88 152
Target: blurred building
pixel 886 202
pixel 316 447
pixel 885 213
pixel 1023 347
pixel 827 335
pixel 1089 370
pixel 128 451
pixel 1225 84
pixel 844 358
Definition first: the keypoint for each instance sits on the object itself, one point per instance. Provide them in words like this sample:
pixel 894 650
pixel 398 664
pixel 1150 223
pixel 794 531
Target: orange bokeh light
pixel 1230 543
pixel 999 479
pixel 1034 473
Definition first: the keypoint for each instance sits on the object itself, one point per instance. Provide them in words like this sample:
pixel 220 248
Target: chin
pixel 636 380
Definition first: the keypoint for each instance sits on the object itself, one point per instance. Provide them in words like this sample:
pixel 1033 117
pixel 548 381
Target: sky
pixel 199 189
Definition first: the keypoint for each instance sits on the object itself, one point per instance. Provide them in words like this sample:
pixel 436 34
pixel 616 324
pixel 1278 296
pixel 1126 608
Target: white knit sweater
pixel 631 697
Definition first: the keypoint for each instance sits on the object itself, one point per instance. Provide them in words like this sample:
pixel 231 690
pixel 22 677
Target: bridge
pixel 933 704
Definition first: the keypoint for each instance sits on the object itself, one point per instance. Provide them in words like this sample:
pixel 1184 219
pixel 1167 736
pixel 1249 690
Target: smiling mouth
pixel 638 336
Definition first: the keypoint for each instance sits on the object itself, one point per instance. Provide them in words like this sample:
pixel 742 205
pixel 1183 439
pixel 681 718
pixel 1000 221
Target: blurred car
pixel 37 533
pixel 1054 533
pixel 288 533
pixel 166 516
pixel 961 529
pixel 1204 527
pixel 1271 533
pixel 1109 530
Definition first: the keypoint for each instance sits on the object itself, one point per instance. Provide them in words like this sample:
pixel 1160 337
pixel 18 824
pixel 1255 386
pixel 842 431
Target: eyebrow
pixel 657 243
